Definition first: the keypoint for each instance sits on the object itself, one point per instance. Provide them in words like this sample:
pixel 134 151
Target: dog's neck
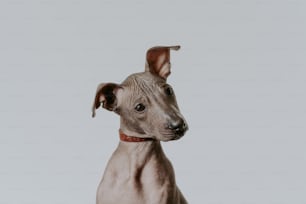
pixel 141 149
pixel 144 159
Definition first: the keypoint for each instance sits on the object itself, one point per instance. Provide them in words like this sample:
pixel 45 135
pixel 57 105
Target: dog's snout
pixel 179 126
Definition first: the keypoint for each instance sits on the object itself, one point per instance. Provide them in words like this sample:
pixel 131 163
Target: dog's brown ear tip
pixel 176 47
pixel 93 114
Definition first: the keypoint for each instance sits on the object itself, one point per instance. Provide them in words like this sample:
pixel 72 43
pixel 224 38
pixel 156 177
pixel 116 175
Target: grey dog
pixel 139 172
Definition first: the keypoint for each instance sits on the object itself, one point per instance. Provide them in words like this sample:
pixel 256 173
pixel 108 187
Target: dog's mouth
pixel 178 133
pixel 177 137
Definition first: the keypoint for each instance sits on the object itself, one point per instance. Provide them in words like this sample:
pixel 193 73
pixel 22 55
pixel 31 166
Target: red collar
pixel 126 138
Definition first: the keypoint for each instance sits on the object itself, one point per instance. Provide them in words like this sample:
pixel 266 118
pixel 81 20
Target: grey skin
pixel 140 172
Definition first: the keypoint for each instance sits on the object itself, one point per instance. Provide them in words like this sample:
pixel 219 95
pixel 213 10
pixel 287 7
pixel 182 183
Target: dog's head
pixel 145 102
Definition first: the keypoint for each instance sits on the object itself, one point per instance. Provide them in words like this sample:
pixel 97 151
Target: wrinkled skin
pixel 161 109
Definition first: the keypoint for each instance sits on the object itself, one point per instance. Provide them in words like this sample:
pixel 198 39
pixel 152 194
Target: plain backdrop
pixel 240 81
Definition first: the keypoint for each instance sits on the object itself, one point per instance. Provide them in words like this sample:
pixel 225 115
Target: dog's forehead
pixel 143 80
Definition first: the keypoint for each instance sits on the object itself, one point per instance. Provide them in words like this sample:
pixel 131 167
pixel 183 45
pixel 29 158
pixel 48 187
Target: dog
pixel 139 172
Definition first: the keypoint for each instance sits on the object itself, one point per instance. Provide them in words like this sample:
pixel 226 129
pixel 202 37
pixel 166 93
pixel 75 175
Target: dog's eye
pixel 140 107
pixel 169 91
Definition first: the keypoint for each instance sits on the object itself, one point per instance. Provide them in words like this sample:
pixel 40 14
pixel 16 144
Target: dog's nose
pixel 178 126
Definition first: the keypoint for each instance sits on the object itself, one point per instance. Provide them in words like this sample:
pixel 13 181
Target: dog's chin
pixel 172 137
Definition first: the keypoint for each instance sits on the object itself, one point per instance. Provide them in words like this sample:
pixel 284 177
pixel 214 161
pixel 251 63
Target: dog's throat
pixel 126 138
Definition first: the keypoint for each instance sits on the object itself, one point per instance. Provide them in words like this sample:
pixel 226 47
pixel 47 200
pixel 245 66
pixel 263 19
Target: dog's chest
pixel 144 185
pixel 132 192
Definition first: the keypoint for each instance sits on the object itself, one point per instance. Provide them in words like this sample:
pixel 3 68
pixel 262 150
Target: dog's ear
pixel 105 95
pixel 158 60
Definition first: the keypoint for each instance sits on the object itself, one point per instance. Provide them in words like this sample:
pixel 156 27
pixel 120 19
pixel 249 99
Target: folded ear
pixel 105 95
pixel 158 60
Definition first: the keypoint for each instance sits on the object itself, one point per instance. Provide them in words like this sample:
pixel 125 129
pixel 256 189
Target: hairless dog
pixel 139 172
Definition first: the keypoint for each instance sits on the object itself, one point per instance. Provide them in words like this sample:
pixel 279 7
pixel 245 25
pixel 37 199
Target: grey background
pixel 239 78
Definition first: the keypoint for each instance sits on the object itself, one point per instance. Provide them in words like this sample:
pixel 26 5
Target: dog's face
pixel 145 102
